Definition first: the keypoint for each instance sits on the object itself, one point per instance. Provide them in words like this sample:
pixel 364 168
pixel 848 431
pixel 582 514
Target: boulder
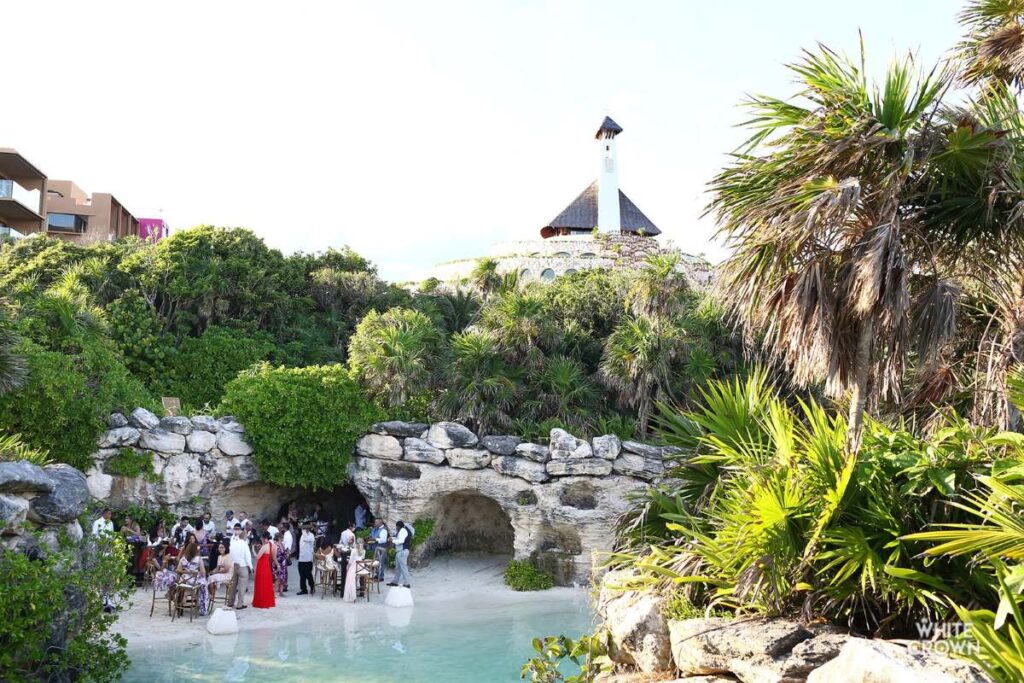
pixel 878 661
pixel 99 483
pixel 74 531
pixel 468 458
pixel 24 477
pixel 399 428
pixel 565 446
pixel 533 451
pixel 143 419
pixel 638 634
pixel 633 465
pixel 231 424
pixel 117 420
pixel 119 437
pixel 643 449
pixel 177 424
pixel 161 440
pixel 13 510
pixel 529 470
pixel 201 441
pixel 607 446
pixel 222 622
pixel 594 467
pixel 181 478
pixel 418 450
pixel 750 649
pixel 501 445
pixel 205 423
pixel 451 435
pixel 232 443
pixel 379 446
pixel 67 500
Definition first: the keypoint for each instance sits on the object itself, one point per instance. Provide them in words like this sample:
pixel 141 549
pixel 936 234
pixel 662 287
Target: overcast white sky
pixel 415 132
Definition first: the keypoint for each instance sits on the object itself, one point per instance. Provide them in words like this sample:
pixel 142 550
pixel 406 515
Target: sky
pixel 414 132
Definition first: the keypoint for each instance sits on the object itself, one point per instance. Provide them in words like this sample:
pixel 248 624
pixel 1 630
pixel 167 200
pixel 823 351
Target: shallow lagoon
pixel 454 640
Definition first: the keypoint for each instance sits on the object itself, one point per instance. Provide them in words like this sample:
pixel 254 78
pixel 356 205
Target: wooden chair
pixel 151 569
pixel 229 588
pixel 366 576
pixel 325 579
pixel 186 595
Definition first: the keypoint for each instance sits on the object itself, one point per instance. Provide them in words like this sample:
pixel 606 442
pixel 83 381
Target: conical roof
pixel 581 214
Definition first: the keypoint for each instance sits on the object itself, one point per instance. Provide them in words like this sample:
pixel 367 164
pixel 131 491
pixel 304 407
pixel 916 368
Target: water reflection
pixel 425 643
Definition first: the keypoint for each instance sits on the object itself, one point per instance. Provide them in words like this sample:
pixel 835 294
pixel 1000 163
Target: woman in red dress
pixel 263 590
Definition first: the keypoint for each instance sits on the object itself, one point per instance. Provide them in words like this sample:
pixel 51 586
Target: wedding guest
pixel 191 561
pixel 380 536
pixel 348 537
pixel 281 569
pixel 208 526
pixel 351 586
pixel 103 526
pixel 307 542
pixel 223 571
pixel 130 529
pixel 360 515
pixel 403 541
pixel 241 559
pixel 266 564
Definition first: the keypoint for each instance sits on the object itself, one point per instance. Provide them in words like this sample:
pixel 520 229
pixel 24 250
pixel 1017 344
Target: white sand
pixel 450 583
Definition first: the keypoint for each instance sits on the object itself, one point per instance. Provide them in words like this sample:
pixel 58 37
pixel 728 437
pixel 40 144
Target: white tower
pixel 609 218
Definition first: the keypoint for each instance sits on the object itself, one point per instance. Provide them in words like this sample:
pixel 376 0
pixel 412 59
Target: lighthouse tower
pixel 609 213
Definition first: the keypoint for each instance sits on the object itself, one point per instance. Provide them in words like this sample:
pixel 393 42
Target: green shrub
pixel 303 423
pixel 41 596
pixel 146 516
pixel 589 654
pixel 203 365
pixel 13 449
pixel 63 406
pixel 523 575
pixel 139 334
pixel 130 463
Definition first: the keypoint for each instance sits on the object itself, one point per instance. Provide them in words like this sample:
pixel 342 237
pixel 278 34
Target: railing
pixel 6 189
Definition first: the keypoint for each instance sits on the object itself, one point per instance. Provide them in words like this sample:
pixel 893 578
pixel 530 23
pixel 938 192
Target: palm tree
pixel 849 212
pixel 660 288
pixel 484 390
pixel 459 309
pixel 66 314
pixel 521 323
pixel 485 277
pixel 394 355
pixel 637 363
pixel 993 50
pixel 567 393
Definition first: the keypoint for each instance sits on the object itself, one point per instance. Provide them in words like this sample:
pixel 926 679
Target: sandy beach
pixel 449 584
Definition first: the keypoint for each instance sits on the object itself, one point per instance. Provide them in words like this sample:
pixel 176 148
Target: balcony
pixel 6 189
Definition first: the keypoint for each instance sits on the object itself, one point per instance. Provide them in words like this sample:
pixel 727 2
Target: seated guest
pixel 130 529
pixel 191 561
pixel 165 579
pixel 158 533
pixel 324 556
pixel 181 529
pixel 207 525
pixel 223 570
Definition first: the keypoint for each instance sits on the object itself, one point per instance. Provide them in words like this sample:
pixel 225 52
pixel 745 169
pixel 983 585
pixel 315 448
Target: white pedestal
pixel 222 622
pixel 398 596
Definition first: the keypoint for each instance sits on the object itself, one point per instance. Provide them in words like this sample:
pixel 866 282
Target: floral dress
pixel 203 592
pixel 281 573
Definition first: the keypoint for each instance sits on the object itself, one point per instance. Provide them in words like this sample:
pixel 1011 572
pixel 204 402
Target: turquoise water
pixel 430 642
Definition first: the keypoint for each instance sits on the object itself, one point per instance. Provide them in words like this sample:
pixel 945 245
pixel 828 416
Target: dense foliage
pixel 42 598
pixel 303 423
pixel 523 575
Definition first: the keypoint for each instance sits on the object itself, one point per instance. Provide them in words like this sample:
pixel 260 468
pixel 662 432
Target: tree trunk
pixel 859 395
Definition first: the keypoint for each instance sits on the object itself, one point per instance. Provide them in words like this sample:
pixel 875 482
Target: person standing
pixel 403 540
pixel 208 525
pixel 289 539
pixel 348 537
pixel 266 565
pixel 241 559
pixel 103 526
pixel 307 541
pixel 352 572
pixel 360 515
pixel 380 537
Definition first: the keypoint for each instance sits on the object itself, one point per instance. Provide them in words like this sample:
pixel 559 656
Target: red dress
pixel 263 590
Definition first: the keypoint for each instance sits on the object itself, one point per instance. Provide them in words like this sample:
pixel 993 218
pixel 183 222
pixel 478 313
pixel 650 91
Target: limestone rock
pixel 418 450
pixel 117 420
pixel 379 446
pixel 181 478
pixel 565 446
pixel 119 437
pixel 99 483
pixel 751 649
pixel 222 622
pixel 67 500
pixel 634 465
pixel 177 424
pixel 607 446
pixel 643 449
pixel 13 510
pixel 231 424
pixel 878 661
pixel 202 441
pixel 399 428
pixel 205 423
pixel 161 440
pixel 451 435
pixel 232 443
pixel 533 451
pixel 594 467
pixel 527 470
pixel 501 445
pixel 468 458
pixel 143 419
pixel 24 477
pixel 74 531
pixel 638 632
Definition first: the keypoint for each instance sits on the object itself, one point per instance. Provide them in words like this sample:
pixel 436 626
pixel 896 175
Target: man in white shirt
pixel 267 526
pixel 307 541
pixel 229 522
pixel 380 535
pixel 241 558
pixel 103 526
pixel 208 526
pixel 287 539
pixel 403 541
pixel 348 537
pixel 182 529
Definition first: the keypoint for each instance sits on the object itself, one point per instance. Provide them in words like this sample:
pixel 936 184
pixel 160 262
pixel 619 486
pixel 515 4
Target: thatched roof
pixel 608 126
pixel 581 214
